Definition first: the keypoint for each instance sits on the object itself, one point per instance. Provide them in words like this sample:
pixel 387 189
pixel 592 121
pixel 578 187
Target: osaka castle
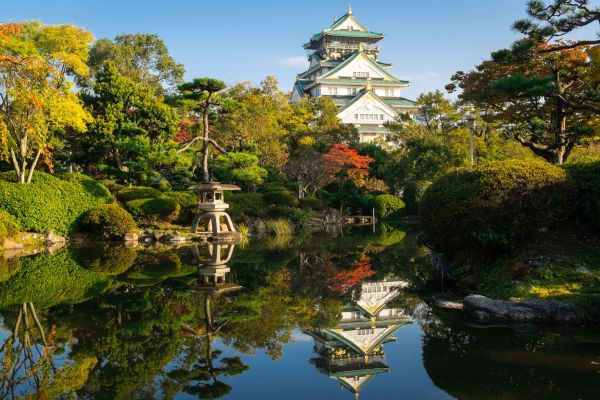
pixel 344 66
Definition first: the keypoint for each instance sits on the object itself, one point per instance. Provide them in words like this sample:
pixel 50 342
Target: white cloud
pixel 294 61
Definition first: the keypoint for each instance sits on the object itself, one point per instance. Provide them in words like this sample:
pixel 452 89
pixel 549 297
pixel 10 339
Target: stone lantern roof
pixel 213 186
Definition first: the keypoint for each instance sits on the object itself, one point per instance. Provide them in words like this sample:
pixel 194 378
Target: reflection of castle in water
pixel 352 351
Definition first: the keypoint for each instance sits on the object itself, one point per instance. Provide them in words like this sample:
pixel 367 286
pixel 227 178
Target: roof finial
pixel 349 9
pixel 334 19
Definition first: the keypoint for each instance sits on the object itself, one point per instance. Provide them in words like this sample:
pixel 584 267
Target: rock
pixel 54 247
pixel 469 281
pixel 259 225
pixel 536 262
pixel 52 237
pixel 447 302
pixel 178 239
pixel 131 237
pixel 582 270
pixel 483 309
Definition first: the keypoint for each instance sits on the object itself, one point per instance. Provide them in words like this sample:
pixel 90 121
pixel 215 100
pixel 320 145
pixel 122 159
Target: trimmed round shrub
pixel 387 205
pixel 154 209
pixel 137 192
pixel 294 214
pixel 586 177
pixel 11 226
pixel 109 220
pixel 492 206
pixel 282 197
pixel 246 204
pixel 51 203
pixel 312 203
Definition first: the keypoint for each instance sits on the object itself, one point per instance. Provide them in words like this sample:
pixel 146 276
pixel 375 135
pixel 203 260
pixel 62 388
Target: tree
pixel 200 96
pixel 130 123
pixel 540 97
pixel 435 111
pixel 36 62
pixel 555 20
pixel 347 163
pixel 141 57
pixel 240 167
pixel 308 168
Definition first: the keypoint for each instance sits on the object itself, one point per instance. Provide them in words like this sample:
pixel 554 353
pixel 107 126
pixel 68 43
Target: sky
pixel 426 40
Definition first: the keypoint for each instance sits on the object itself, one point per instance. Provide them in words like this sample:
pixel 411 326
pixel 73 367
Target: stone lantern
pixel 212 206
pixel 213 270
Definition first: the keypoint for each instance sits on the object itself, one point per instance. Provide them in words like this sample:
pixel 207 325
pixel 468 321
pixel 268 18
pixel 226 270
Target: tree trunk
pixel 33 165
pixel 205 173
pixel 561 124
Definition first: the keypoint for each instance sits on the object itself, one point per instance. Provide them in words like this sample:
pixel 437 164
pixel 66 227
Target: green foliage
pixel 586 176
pixel 248 204
pixel 387 205
pixel 292 213
pixel 48 280
pixel 493 206
pixel 413 191
pixel 154 209
pixel 312 203
pixel 51 203
pixel 280 227
pixel 137 192
pixel 280 196
pixel 241 168
pixel 9 227
pixel 109 220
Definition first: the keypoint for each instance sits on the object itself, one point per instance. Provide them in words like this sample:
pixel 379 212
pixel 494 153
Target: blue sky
pixel 426 40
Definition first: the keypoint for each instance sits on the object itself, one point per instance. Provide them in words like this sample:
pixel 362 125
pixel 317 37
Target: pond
pixel 333 315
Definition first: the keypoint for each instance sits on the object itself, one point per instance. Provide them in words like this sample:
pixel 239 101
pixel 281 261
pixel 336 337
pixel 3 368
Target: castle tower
pixel 344 66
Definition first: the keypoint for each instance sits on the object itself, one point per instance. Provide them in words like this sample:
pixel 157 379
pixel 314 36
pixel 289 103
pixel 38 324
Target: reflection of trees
pixel 26 356
pixel 496 363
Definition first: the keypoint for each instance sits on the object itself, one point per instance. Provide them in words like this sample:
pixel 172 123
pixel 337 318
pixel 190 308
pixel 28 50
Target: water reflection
pixel 352 351
pixel 217 320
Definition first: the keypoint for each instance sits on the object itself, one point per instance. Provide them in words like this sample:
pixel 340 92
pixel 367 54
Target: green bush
pixel 137 192
pixel 285 212
pixel 492 206
pixel 51 203
pixel 246 204
pixel 413 191
pixel 387 205
pixel 11 226
pixel 586 176
pixel 112 185
pixel 109 220
pixel 312 203
pixel 280 227
pixel 281 197
pixel 154 209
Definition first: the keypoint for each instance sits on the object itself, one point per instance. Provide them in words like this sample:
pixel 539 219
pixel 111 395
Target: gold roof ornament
pixel 349 9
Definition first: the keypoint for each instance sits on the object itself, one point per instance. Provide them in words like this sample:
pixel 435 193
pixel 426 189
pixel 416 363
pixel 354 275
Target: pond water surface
pixel 317 316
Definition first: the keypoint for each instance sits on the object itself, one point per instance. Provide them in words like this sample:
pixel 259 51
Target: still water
pixel 319 316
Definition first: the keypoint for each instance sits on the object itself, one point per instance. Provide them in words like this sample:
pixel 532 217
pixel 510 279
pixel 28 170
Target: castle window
pixel 360 74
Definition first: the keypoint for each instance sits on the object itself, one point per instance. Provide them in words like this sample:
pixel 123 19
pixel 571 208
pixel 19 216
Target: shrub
pixel 280 227
pixel 312 203
pixel 490 207
pixel 11 226
pixel 413 191
pixel 154 209
pixel 109 220
pixel 281 197
pixel 291 213
pixel 387 205
pixel 51 203
pixel 249 204
pixel 188 202
pixel 586 176
pixel 137 192
pixel 112 185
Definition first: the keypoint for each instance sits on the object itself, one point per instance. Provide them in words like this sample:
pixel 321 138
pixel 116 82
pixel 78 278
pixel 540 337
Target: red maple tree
pixel 346 163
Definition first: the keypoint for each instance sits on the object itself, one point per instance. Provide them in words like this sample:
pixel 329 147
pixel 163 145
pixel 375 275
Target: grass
pixel 562 265
pixel 280 227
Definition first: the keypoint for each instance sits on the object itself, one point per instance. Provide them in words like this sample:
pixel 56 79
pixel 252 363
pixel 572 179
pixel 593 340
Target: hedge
pixel 137 192
pixel 586 176
pixel 51 203
pixel 387 205
pixel 152 209
pixel 109 220
pixel 413 191
pixel 9 227
pixel 493 206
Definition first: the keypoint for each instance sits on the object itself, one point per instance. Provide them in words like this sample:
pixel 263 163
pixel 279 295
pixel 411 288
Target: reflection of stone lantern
pixel 212 206
pixel 213 270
